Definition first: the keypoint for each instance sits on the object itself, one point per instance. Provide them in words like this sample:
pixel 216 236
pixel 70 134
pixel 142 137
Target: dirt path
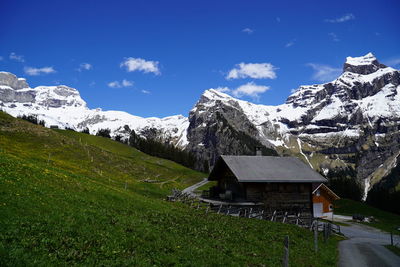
pixel 364 248
pixel 190 190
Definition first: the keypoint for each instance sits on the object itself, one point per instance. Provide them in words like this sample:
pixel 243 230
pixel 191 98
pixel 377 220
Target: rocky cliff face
pixel 218 125
pixel 10 80
pixel 352 121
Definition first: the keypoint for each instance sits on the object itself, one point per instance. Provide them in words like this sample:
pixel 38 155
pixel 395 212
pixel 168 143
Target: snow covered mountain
pixel 350 122
pixel 63 107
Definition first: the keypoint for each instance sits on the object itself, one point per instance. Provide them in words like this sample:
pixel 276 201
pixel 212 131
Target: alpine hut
pixel 276 182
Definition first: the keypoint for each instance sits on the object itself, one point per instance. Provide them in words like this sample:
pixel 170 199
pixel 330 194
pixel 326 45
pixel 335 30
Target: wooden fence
pixel 302 219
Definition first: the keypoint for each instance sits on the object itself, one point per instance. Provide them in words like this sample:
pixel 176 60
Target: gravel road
pixel 364 248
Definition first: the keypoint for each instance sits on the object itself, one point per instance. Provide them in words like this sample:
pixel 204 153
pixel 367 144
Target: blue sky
pixel 155 58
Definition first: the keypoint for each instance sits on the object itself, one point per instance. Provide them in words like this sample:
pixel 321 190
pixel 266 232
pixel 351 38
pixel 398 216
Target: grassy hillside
pixel 385 221
pixel 68 198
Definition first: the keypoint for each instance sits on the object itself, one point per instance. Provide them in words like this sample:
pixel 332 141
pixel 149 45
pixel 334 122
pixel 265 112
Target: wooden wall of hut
pixel 280 195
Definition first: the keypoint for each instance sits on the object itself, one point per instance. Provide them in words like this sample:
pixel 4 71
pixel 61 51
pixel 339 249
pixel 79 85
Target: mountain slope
pixel 63 107
pixel 68 198
pixel 350 122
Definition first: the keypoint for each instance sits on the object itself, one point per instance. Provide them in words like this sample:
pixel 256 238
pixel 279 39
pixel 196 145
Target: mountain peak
pixel 212 93
pixel 11 80
pixel 366 64
pixel 363 60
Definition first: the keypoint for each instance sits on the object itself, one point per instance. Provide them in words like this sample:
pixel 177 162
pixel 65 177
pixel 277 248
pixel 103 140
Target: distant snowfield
pixel 62 106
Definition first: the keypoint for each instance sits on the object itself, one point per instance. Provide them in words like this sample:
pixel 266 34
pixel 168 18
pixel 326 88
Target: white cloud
pixel 248 30
pixel 344 18
pixel 334 36
pixel 145 92
pixel 84 66
pixel 117 84
pixel 19 58
pixel 291 43
pixel 252 70
pixel 126 83
pixel 250 89
pixel 38 71
pixel 93 83
pixel 114 84
pixel 324 73
pixel 139 64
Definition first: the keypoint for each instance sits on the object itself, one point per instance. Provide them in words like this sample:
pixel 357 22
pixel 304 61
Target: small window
pixel 330 207
pixel 318 193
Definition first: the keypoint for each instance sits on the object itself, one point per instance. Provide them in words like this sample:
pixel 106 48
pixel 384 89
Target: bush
pixel 104 133
pixel 118 138
pixel 32 119
pixel 85 130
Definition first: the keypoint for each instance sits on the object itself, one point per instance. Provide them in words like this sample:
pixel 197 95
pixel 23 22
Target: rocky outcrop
pixel 220 126
pixel 362 65
pixel 9 79
pixel 9 95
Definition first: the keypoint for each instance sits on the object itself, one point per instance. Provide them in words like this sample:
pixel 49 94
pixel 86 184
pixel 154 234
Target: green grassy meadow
pixel 68 198
pixel 384 220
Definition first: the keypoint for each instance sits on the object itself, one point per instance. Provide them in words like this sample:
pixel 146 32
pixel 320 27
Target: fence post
pixel 391 238
pixel 273 215
pixel 329 230
pixel 219 209
pixel 286 252
pixel 228 210
pixel 316 237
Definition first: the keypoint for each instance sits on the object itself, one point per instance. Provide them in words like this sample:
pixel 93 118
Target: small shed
pixel 323 198
pixel 277 182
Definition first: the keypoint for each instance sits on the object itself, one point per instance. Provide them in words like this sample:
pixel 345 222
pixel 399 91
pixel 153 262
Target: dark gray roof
pixel 268 169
